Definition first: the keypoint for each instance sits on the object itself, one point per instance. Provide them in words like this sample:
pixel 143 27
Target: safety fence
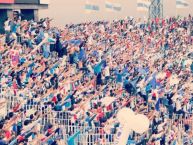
pixel 80 136
pixel 66 117
pixel 183 121
pixel 27 104
pixel 10 100
pixel 83 135
pixel 93 135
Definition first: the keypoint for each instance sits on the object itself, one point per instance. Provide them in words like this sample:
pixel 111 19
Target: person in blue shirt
pixel 70 100
pixel 2 142
pixel 52 70
pixel 191 67
pixel 98 68
pixel 88 119
pixel 76 57
pixel 63 51
pixel 72 58
pixel 40 36
pixel 71 139
pixel 119 76
pixel 82 54
pixel 129 87
pixel 148 88
pixel 97 72
pixel 14 26
pixel 126 81
pixel 58 47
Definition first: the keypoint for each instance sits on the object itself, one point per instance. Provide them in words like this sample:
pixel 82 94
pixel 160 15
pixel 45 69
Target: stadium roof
pixel 24 4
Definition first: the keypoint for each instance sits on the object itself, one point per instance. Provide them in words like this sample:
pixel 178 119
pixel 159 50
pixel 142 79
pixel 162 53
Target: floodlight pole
pixel 156 9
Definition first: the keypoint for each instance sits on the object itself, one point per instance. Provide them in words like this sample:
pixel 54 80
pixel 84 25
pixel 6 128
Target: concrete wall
pixel 72 11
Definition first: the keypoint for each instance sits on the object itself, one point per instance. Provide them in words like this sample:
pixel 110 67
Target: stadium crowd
pixel 65 86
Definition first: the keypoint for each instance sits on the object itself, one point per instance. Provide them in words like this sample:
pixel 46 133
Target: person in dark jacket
pixel 191 67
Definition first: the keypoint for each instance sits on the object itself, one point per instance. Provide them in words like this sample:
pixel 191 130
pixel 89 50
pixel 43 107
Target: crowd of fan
pixel 83 74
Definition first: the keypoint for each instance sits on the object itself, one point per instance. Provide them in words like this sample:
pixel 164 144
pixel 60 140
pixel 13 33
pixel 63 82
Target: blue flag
pixel 71 139
pixel 131 142
pixel 67 103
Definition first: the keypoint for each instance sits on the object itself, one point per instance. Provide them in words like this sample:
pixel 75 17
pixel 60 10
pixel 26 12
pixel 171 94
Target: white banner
pixel 181 4
pixel 45 2
pixel 143 5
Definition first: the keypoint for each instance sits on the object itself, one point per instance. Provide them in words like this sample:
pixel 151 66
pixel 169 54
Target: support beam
pixel 36 15
pixel 23 6
pixel 156 9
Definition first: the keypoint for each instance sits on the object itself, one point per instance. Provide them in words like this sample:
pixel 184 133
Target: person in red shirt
pixel 100 114
pixel 54 99
pixel 20 138
pixel 14 55
pixel 163 22
pixel 7 135
pixel 157 21
pixel 154 96
pixel 168 73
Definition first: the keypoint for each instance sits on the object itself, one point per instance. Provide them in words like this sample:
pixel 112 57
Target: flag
pixel 143 5
pixel 91 7
pixel 72 138
pixel 117 7
pixel 68 104
pixel 181 4
pixel 111 6
pixel 131 142
pixel 108 6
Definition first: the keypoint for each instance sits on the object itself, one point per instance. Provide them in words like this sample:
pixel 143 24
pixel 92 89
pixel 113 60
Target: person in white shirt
pixel 7 27
pixel 178 105
pixel 106 73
